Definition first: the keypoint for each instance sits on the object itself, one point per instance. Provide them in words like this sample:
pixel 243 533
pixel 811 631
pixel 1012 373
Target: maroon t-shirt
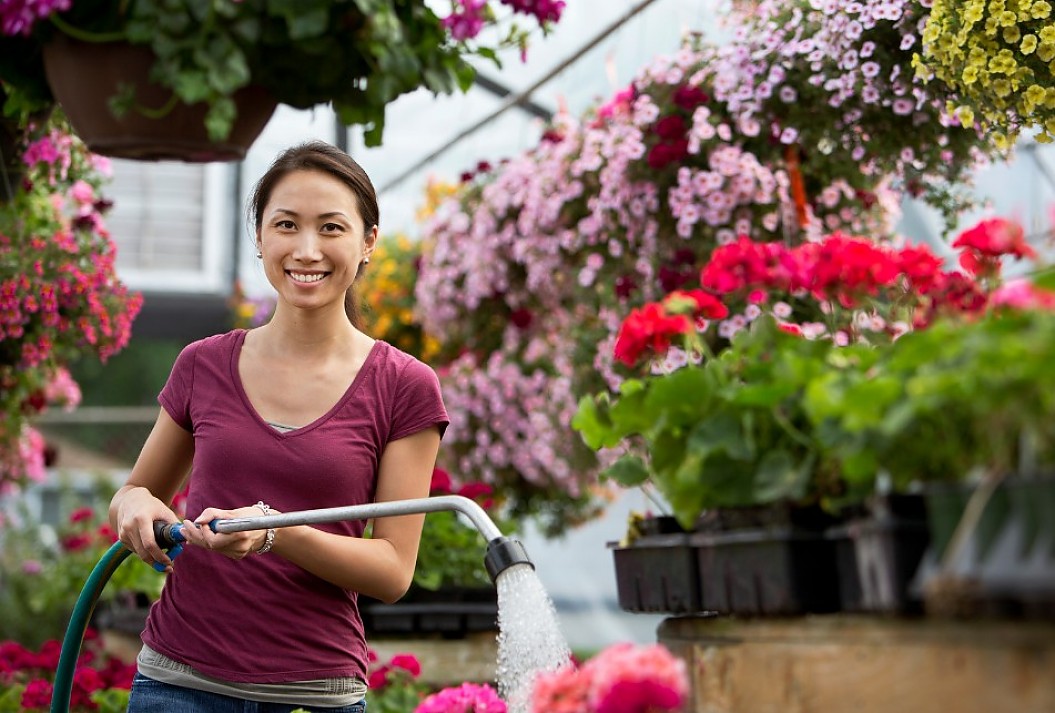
pixel 263 619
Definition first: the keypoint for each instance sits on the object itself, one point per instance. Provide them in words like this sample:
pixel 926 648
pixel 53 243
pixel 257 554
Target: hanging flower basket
pixel 84 76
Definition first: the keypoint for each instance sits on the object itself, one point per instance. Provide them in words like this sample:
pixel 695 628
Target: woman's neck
pixel 311 334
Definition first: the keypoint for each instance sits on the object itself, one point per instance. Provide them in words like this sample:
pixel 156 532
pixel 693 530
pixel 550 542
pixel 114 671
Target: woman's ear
pixel 370 241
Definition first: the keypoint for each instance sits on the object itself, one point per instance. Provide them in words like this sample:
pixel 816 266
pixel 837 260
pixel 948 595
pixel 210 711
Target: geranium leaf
pixel 628 471
pixel 778 477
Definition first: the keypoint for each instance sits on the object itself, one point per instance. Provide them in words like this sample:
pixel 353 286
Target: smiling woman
pixel 316 220
pixel 303 412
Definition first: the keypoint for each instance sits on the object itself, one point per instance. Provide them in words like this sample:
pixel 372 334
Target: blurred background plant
pixel 44 567
pixel 995 59
pixel 395 685
pixel 60 298
pixel 807 122
pixel 387 289
pixel 100 682
pixel 451 551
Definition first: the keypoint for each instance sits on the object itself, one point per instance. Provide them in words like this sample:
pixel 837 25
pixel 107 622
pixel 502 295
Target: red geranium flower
pixel 648 328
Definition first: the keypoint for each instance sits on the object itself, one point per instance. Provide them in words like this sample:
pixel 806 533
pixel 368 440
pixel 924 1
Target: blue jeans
pixel 150 696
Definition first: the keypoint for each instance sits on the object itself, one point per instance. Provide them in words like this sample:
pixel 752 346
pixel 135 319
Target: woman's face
pixel 312 240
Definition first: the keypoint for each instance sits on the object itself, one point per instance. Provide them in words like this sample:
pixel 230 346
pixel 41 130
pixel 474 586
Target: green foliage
pixel 451 554
pixel 358 55
pixel 944 401
pixel 780 418
pixel 111 700
pixel 730 432
pixel 44 567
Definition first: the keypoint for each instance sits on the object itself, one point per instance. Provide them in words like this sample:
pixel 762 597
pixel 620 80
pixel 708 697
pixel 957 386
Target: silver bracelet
pixel 269 536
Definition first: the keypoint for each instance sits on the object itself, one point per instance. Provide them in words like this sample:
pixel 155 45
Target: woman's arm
pixel 157 476
pixel 381 566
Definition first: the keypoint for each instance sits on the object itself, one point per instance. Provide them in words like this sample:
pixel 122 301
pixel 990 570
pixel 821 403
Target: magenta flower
pixel 466 698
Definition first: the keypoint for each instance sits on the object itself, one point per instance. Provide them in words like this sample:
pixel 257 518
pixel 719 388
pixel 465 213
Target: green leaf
pixel 720 432
pixel 304 18
pixel 763 395
pixel 220 118
pixel 1045 280
pixel 592 421
pixel 628 471
pixel 778 477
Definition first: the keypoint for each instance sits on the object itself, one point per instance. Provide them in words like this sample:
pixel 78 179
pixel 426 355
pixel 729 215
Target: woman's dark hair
pixel 320 156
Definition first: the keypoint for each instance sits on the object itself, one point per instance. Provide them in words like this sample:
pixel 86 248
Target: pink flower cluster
pixel 470 16
pixel 466 698
pixel 514 419
pixel 835 77
pixel 60 298
pixel 623 678
pixel 17 17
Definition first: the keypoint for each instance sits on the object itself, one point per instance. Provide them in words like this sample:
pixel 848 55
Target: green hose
pixel 82 613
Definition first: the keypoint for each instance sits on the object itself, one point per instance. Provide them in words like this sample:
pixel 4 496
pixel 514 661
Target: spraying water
pixel 529 640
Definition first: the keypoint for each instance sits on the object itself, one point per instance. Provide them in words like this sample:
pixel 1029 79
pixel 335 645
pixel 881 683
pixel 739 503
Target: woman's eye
pixel 285 224
pixel 332 228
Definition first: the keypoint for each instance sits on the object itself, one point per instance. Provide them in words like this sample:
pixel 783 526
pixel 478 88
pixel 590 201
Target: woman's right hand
pixel 136 509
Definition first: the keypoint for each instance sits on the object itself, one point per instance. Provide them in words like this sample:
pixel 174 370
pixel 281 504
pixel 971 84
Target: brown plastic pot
pixel 84 76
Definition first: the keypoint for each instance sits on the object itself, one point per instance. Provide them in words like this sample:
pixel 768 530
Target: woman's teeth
pixel 307 278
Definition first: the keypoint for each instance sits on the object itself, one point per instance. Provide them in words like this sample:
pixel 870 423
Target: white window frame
pixel 217 219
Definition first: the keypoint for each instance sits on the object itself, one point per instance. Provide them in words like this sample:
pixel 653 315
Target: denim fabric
pixel 150 696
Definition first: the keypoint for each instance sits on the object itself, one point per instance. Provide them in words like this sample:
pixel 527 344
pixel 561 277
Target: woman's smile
pixel 307 278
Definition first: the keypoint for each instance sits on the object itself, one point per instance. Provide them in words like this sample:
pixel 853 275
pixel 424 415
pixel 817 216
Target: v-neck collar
pixel 236 377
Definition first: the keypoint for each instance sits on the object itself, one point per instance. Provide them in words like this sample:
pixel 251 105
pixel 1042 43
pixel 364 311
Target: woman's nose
pixel 307 247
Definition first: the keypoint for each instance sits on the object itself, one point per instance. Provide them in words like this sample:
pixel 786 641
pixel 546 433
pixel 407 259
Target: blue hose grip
pixel 169 537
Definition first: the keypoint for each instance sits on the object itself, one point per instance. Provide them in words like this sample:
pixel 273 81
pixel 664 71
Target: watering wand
pixel 502 553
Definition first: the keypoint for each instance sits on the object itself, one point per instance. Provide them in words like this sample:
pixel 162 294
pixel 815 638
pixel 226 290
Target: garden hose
pixel 82 613
pixel 502 553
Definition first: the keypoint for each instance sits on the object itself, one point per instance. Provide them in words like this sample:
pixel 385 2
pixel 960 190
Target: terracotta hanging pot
pixel 84 76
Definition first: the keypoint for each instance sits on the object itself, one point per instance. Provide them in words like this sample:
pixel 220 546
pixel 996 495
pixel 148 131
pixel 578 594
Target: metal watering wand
pixel 502 553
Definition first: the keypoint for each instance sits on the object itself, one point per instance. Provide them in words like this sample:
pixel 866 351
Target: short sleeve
pixel 418 403
pixel 175 396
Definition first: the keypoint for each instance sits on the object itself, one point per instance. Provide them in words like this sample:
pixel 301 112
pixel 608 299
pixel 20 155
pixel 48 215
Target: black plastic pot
pixel 767 572
pixel 657 572
pixel 451 613
pixel 878 552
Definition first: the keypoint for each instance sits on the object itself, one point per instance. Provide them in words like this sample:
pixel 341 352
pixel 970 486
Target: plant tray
pixel 877 556
pixel 767 572
pixel 657 574
pixel 450 614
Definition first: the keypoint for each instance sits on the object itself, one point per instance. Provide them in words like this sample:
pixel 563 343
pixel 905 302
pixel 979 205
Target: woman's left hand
pixel 235 545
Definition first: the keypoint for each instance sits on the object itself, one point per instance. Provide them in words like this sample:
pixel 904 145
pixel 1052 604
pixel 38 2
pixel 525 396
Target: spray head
pixel 503 553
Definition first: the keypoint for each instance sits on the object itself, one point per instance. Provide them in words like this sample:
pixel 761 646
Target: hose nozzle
pixel 502 553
